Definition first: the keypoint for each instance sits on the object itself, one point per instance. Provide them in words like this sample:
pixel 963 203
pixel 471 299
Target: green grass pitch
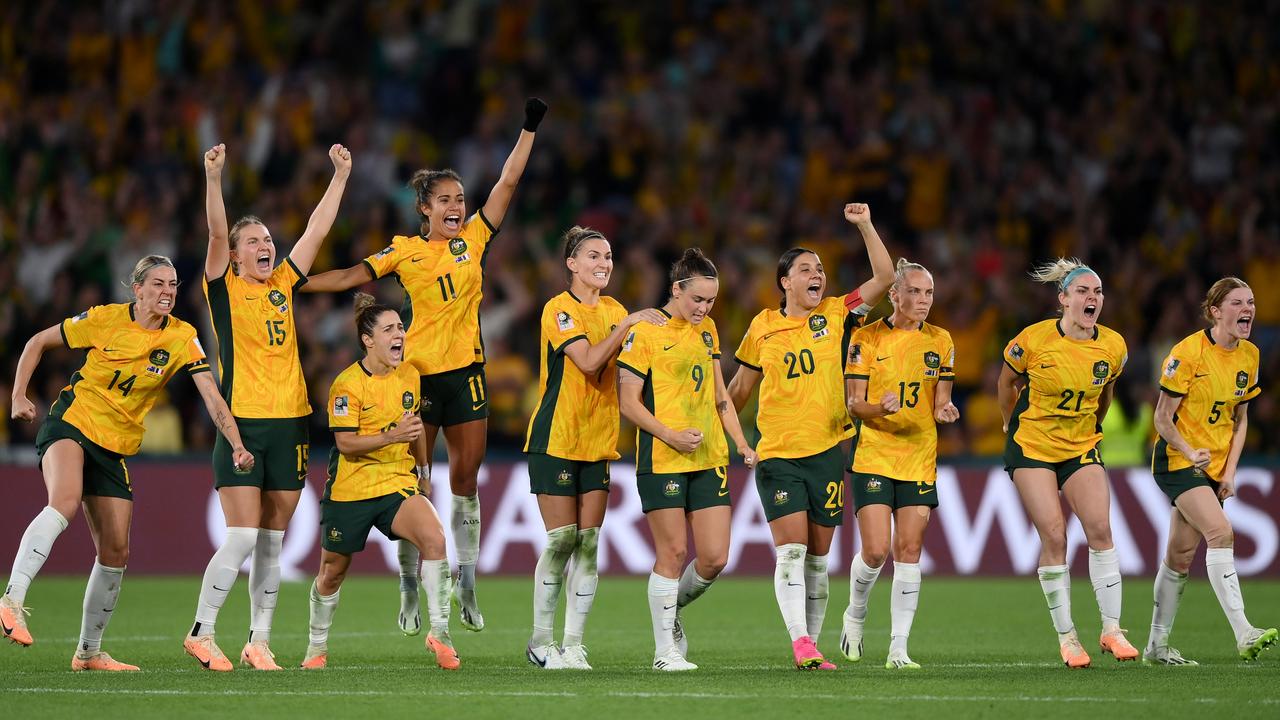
pixel 986 646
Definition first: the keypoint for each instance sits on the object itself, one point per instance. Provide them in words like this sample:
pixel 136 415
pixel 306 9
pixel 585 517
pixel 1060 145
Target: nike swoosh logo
pixel 1046 367
pixel 667 607
pixel 39 553
pixel 215 587
pixel 861 582
pixel 270 592
pixel 544 582
pixel 107 349
pixel 925 492
pixel 882 359
pixel 910 592
pixel 250 297
pixel 1224 577
pixel 722 493
pixel 835 513
pixel 814 597
pixel 205 663
pixel 1202 375
pixel 477 407
pixel 1113 584
pixel 416 259
pixel 1055 607
pixel 668 347
pixel 791 584
pixel 584 594
pixel 370 407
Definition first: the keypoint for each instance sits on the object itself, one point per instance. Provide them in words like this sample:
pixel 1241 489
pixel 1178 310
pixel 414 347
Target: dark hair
pixel 233 237
pixel 424 183
pixel 784 268
pixel 692 264
pixel 575 236
pixel 367 311
pixel 1218 295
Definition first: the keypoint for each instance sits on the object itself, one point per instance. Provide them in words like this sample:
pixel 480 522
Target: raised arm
pixel 881 264
pixel 219 255
pixel 1166 407
pixel 590 359
pixel 729 418
pixel 304 251
pixel 21 408
pixel 743 382
pixel 338 280
pixel 495 208
pixel 1007 387
pixel 221 414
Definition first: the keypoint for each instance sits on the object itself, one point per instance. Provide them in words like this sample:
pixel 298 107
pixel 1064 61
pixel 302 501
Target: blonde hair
pixel 146 265
pixel 1218 294
pixel 233 237
pixel 900 271
pixel 1061 272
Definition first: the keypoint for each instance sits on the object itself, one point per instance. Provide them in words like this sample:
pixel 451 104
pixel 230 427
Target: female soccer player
pixel 799 353
pixel 907 366
pixel 671 387
pixel 442 270
pixel 251 301
pixel 134 350
pixel 1053 392
pixel 1201 417
pixel 571 439
pixel 373 413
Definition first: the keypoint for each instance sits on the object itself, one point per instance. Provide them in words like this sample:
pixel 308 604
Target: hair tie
pixel 697 277
pixel 1066 281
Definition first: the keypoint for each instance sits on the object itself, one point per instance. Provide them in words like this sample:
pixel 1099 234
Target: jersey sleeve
pixel 854 303
pixel 1015 353
pixel 83 330
pixel 1255 387
pixel 948 369
pixel 636 355
pixel 1177 370
pixel 344 407
pixel 194 359
pixel 560 326
pixel 385 261
pixel 1122 359
pixel 748 354
pixel 857 365
pixel 290 273
pixel 715 340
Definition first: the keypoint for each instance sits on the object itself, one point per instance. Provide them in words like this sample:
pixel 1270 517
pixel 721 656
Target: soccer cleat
pixel 898 660
pixel 13 621
pixel 827 665
pixel 547 657
pixel 1118 645
pixel 468 610
pixel 1165 655
pixel 99 661
pixel 441 644
pixel 851 639
pixel 806 653
pixel 1255 641
pixel 410 618
pixel 673 661
pixel 1073 653
pixel 317 658
pixel 575 657
pixel 207 652
pixel 677 634
pixel 258 656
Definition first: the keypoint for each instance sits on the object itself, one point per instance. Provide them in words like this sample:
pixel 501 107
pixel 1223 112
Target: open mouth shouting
pixel 814 291
pixel 453 223
pixel 397 350
pixel 165 304
pixel 1244 324
pixel 1091 310
pixel 263 261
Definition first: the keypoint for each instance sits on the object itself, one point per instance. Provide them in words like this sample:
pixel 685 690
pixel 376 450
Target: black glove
pixel 534 109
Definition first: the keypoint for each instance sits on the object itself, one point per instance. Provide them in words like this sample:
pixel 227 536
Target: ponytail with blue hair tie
pixel 1077 272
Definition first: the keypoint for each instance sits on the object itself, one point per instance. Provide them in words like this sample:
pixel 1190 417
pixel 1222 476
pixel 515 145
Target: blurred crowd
pixel 986 136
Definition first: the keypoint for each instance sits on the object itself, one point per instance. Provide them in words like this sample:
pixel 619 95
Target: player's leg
pixel 324 604
pixel 560 517
pixel 910 522
pixel 584 574
pixel 416 520
pixel 825 487
pixel 781 487
pixel 63 466
pixel 242 509
pixel 278 507
pixel 109 519
pixel 1171 580
pixel 670 540
pixel 873 498
pixel 466 443
pixel 817 582
pixel 1088 492
pixel 409 620
pixel 1038 489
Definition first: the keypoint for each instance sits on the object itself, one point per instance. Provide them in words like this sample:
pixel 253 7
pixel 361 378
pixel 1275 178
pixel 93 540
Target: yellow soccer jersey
pixel 1212 381
pixel 258 343
pixel 123 373
pixel 577 415
pixel 368 404
pixel 909 363
pixel 677 362
pixel 442 290
pixel 1055 418
pixel 801 409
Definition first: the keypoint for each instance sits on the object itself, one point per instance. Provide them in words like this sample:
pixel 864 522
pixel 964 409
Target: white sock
pixel 692 585
pixel 100 597
pixel 1104 573
pixel 37 543
pixel 902 606
pixel 465 523
pixel 435 578
pixel 816 591
pixel 410 568
pixel 548 579
pixel 862 577
pixel 322 609
pixel 662 611
pixel 220 575
pixel 788 588
pixel 582 583
pixel 1221 564
pixel 1055 581
pixel 1168 593
pixel 264 583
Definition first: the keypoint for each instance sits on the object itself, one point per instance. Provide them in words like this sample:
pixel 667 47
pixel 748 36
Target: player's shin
pixel 37 543
pixel 323 608
pixel 548 579
pixel 264 583
pixel 817 590
pixel 789 588
pixel 583 580
pixel 100 597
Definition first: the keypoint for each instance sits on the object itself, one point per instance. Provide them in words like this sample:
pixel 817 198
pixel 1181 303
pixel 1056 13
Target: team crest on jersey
pixel 706 339
pixel 818 324
pixel 1242 379
pixel 874 485
pixel 159 357
pixel 407 400
pixel 335 535
pixel 340 406
pixel 1101 370
pixel 563 321
pixel 564 478
pixel 277 298
pixel 671 489
pixel 1172 368
pixel 1016 352
pixel 458 247
pixel 780 497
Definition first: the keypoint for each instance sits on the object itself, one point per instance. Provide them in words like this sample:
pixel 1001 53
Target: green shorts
pixel 279 447
pixel 881 490
pixel 345 526
pixel 105 473
pixel 550 475
pixel 814 483
pixel 1179 481
pixel 688 491
pixel 455 397
pixel 1014 459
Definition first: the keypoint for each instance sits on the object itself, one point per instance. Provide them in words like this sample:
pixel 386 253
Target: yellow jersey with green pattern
pixel 908 363
pixel 442 283
pixel 1212 382
pixel 258 343
pixel 1055 417
pixel 801 411
pixel 677 363
pixel 577 416
pixel 123 372
pixel 367 404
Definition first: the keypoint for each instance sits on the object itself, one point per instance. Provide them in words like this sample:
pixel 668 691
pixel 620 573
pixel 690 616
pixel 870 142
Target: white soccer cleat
pixel 677 634
pixel 1165 655
pixel 1254 641
pixel 468 609
pixel 547 657
pixel 673 661
pixel 851 639
pixel 575 657
pixel 898 660
pixel 410 618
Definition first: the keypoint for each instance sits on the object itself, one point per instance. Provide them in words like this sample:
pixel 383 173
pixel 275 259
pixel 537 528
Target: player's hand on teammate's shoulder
pixel 649 315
